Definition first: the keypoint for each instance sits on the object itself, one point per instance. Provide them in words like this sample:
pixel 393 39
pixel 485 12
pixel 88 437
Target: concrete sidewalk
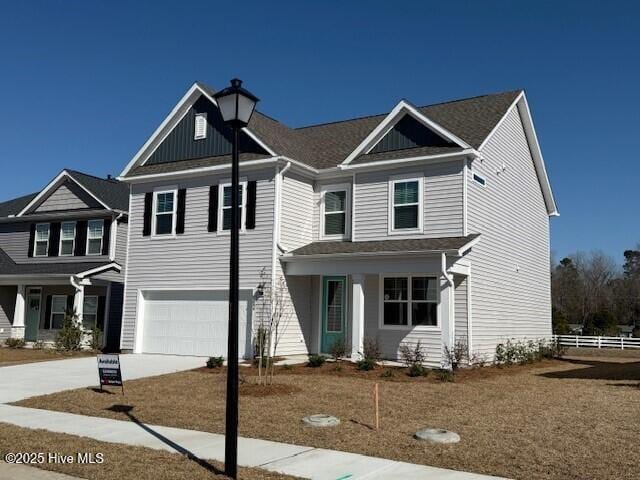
pixel 18 382
pixel 10 471
pixel 307 462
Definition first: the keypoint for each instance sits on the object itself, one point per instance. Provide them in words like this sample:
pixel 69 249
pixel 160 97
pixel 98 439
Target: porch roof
pixel 457 245
pixel 9 267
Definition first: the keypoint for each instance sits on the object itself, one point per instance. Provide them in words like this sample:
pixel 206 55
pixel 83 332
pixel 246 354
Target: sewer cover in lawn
pixel 321 420
pixel 437 435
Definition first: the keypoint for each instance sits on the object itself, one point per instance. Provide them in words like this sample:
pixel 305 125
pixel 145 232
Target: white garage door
pixel 191 323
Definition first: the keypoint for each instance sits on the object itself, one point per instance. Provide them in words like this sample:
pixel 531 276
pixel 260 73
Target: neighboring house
pixel 425 224
pixel 61 248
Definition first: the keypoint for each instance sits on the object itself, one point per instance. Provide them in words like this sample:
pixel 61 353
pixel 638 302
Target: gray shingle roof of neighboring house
pixel 327 145
pixel 9 267
pixel 111 192
pixel 417 245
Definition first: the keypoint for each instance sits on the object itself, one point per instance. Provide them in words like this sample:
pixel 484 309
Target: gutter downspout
pixel 78 298
pixel 114 237
pixel 276 223
pixel 450 332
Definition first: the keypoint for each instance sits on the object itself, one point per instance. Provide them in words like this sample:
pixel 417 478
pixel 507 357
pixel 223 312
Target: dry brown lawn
pixel 17 356
pixel 120 461
pixel 576 420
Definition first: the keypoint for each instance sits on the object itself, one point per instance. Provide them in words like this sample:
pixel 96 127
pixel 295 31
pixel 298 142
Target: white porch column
pixel 447 309
pixel 357 315
pixel 78 301
pixel 17 329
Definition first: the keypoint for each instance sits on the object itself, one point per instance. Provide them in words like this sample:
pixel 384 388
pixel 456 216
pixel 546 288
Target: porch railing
pixel 597 342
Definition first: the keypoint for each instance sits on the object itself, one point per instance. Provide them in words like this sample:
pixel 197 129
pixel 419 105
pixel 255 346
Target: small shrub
pixel 337 367
pixel 69 338
pixel 338 349
pixel 96 339
pixel 215 362
pixel 265 359
pixel 39 345
pixel 417 370
pixel 523 352
pixel 388 373
pixel 287 366
pixel 14 343
pixel 477 360
pixel 366 364
pixel 315 361
pixel 445 375
pixel 371 349
pixel 457 355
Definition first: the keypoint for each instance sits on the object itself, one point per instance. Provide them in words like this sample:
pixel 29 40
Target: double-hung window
pixel 95 232
pixel 405 209
pixel 58 309
pixel 41 247
pixel 409 301
pixel 90 312
pixel 335 212
pixel 67 238
pixel 225 205
pixel 164 213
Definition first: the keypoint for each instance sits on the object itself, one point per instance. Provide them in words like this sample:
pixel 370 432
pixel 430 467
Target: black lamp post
pixel 236 106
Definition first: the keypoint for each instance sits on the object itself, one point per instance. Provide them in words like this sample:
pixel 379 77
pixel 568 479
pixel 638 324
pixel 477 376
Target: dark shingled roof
pixel 9 267
pixel 111 192
pixel 166 167
pixel 11 207
pixel 327 145
pixel 384 246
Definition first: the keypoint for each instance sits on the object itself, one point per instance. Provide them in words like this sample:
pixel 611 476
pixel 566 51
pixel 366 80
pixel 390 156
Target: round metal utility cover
pixel 321 420
pixel 437 435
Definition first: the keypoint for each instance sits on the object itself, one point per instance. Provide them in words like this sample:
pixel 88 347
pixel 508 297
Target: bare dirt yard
pixel 17 356
pixel 119 461
pixel 576 419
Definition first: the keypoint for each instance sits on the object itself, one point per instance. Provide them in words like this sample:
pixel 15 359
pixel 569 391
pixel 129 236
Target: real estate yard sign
pixel 109 371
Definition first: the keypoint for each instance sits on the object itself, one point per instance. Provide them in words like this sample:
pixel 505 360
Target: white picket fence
pixel 597 342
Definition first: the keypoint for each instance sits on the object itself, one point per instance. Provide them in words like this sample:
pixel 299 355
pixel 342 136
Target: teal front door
pixel 334 307
pixel 32 317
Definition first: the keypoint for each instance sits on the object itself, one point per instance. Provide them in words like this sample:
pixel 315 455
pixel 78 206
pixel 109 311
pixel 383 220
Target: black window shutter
pixel 101 310
pixel 213 209
pixel 81 238
pixel 47 313
pixel 32 239
pixel 182 199
pixel 251 205
pixel 54 239
pixel 148 205
pixel 106 236
pixel 70 303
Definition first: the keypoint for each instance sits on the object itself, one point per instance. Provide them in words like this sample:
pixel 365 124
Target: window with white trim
pixel 164 212
pixel 58 311
pixel 405 198
pixel 200 126
pixel 90 312
pixel 41 243
pixel 224 213
pixel 67 238
pixel 409 301
pixel 95 233
pixel 335 219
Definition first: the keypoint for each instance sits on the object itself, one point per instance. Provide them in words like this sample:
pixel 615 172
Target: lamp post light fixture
pixel 236 107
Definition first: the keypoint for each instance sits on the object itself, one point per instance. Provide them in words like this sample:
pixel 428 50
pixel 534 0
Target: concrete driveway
pixel 32 379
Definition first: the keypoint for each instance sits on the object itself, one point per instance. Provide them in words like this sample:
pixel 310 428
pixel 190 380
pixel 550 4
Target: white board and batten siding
pixel 197 260
pixel 510 280
pixel 442 196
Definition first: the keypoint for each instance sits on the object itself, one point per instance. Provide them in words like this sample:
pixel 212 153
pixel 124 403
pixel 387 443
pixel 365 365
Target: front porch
pixel 398 299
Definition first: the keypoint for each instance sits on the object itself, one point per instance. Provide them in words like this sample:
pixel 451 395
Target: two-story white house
pixel 424 224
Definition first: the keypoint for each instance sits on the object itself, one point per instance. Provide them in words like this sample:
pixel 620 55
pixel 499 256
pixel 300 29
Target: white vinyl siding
pixel 510 280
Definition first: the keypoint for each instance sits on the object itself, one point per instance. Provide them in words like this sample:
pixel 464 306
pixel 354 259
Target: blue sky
pixel 84 83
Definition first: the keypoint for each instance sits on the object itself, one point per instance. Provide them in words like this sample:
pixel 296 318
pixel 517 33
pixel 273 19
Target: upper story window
pixel 409 301
pixel 335 211
pixel 200 126
pixel 164 213
pixel 41 247
pixel 95 232
pixel 225 205
pixel 67 238
pixel 405 205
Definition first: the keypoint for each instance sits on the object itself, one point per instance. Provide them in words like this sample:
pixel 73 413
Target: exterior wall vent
pixel 200 126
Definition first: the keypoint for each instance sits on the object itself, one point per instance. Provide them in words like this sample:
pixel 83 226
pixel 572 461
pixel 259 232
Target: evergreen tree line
pixel 590 289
